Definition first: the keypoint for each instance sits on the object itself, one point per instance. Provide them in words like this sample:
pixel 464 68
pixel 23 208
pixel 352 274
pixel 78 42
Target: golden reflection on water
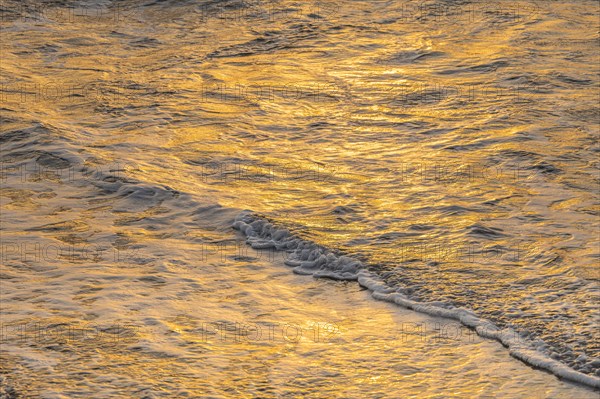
pixel 357 131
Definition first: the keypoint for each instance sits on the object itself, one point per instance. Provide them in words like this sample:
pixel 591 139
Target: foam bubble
pixel 304 256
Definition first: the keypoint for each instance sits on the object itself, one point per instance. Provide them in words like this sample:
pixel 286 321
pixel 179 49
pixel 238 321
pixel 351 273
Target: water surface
pixel 451 147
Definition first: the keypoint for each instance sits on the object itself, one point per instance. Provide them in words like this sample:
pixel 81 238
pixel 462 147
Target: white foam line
pixel 309 258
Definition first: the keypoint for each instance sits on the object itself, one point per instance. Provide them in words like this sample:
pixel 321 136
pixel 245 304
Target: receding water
pixel 450 147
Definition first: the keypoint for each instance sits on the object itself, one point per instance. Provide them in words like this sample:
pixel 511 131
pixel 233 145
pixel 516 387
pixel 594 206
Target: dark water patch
pixel 422 227
pixel 53 161
pixel 410 57
pixel 455 210
pixel 80 41
pixel 145 42
pixel 65 226
pixel 572 80
pixel 486 232
pixel 38 132
pixel 485 68
pixel 154 280
pixel 472 146
pixel 498 201
pixel 544 167
pixel 15 135
pixel 396 235
pixel 341 210
pixel 518 155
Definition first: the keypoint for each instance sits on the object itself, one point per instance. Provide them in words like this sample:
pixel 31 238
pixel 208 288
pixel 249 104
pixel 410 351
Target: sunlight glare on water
pixel 451 147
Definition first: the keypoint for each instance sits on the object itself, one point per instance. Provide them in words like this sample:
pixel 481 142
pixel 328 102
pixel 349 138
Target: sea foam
pixel 309 258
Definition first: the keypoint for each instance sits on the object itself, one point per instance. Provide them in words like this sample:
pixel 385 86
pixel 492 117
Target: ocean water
pixel 167 165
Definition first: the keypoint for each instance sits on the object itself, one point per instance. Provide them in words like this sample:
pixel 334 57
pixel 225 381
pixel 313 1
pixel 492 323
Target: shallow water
pixel 451 147
pixel 216 330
